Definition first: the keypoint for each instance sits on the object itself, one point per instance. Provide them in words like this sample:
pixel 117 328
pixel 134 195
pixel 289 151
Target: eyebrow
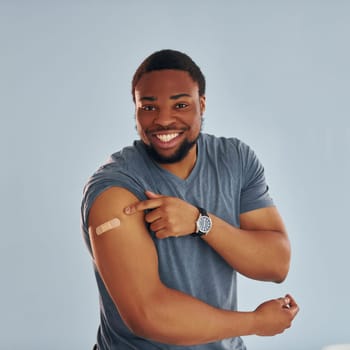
pixel 173 97
pixel 148 98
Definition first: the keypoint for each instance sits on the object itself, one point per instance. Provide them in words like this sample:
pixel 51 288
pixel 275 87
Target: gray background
pixel 278 78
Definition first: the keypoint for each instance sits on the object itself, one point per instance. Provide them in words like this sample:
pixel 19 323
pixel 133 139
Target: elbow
pixel 148 325
pixel 282 263
pixel 151 321
pixel 273 270
pixel 146 319
pixel 282 269
pixel 141 322
pixel 281 275
pixel 276 274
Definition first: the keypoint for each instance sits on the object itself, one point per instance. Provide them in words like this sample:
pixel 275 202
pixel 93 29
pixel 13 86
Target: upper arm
pixel 266 225
pixel 266 219
pixel 125 256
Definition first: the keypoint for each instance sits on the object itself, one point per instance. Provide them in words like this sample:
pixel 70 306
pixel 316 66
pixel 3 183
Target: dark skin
pixel 168 113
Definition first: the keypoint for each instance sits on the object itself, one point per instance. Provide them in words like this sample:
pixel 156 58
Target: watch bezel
pixel 203 219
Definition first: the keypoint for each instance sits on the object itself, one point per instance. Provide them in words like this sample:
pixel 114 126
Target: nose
pixel 164 117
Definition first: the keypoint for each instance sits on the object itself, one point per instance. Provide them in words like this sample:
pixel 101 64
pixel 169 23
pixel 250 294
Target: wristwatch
pixel 203 223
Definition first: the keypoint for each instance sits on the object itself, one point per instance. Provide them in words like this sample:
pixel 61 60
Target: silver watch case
pixel 203 224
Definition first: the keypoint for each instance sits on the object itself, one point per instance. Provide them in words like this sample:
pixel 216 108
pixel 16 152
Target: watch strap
pixel 198 232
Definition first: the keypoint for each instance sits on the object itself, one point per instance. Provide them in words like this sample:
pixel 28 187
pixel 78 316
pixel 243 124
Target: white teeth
pixel 167 137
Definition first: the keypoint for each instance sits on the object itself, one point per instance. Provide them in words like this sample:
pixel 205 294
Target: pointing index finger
pixel 141 206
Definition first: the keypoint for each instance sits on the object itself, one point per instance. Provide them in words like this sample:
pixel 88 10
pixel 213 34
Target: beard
pixel 177 156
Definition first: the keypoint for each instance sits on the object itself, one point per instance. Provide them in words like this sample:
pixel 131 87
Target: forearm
pixel 176 318
pixel 258 254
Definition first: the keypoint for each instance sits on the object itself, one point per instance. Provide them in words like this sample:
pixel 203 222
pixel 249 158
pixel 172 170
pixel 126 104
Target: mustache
pixel 171 127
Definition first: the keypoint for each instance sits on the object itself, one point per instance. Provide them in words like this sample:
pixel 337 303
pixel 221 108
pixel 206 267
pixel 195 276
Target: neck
pixel 183 168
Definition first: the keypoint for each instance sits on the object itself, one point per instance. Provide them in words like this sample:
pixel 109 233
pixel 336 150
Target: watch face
pixel 204 224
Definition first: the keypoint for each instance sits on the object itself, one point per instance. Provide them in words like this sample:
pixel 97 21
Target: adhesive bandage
pixel 109 225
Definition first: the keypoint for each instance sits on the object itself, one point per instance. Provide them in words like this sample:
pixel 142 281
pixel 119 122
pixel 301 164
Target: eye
pixel 181 105
pixel 148 108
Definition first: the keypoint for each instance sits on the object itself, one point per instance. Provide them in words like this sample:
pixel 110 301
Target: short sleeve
pixel 107 176
pixel 254 191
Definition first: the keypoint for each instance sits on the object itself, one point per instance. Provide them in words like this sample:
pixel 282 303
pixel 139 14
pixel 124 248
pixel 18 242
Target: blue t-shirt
pixel 227 180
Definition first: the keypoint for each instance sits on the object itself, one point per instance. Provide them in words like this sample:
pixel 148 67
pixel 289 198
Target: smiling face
pixel 169 114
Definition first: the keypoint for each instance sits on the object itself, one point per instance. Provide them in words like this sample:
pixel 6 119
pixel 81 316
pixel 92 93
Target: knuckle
pixel 166 209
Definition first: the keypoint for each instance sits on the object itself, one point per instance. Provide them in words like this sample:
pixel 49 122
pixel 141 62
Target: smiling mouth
pixel 167 137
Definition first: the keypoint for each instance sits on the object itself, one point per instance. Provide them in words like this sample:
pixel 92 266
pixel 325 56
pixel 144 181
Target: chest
pixel 215 187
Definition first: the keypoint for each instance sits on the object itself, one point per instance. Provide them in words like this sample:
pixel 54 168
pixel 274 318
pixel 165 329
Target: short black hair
pixel 169 59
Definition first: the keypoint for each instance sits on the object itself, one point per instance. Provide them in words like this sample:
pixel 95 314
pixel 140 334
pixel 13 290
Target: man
pixel 170 220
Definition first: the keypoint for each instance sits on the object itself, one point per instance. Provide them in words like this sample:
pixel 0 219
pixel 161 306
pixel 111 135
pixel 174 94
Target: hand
pixel 170 216
pixel 274 316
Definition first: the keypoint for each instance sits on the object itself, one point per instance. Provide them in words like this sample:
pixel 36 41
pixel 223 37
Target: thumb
pixel 153 195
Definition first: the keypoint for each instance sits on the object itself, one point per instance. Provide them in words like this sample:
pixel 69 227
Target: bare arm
pixel 147 306
pixel 259 249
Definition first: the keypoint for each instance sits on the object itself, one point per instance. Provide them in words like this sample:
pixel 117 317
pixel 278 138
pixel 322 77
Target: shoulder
pixel 230 147
pixel 221 141
pixel 118 171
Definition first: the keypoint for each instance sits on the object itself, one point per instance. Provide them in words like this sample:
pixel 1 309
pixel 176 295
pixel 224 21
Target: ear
pixel 202 104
